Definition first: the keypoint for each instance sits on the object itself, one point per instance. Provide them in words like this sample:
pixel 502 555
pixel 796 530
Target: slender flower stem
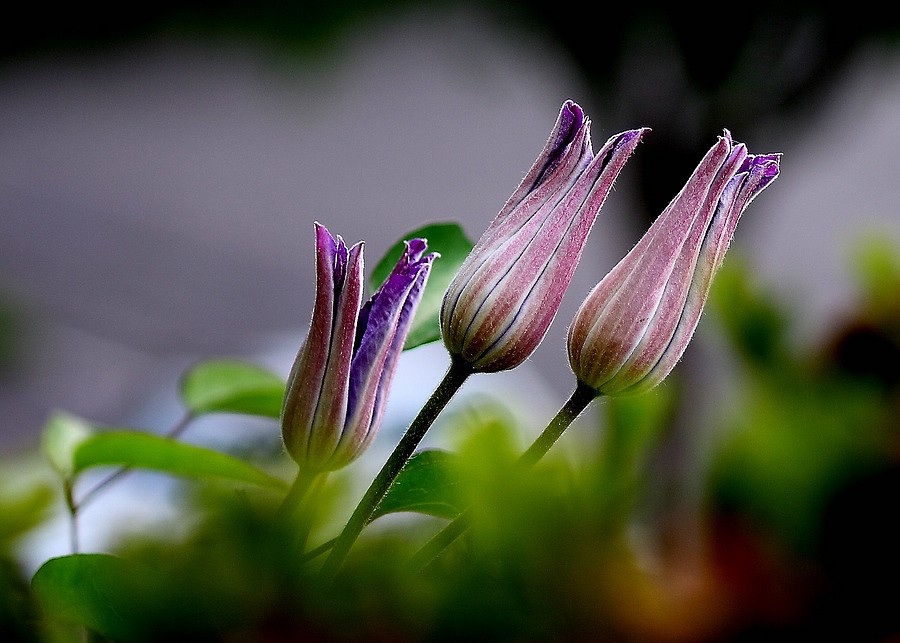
pixel 441 540
pixel 456 375
pixel 300 501
pixel 297 492
pixel 576 404
pixel 318 551
pixel 73 516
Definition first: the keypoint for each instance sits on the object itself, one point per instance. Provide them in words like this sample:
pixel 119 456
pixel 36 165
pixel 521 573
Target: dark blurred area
pixel 684 69
pixel 688 70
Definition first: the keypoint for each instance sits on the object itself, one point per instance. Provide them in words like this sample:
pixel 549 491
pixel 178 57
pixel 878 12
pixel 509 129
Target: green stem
pixel 456 375
pixel 297 492
pixel 441 540
pixel 73 515
pixel 318 551
pixel 576 404
pixel 300 501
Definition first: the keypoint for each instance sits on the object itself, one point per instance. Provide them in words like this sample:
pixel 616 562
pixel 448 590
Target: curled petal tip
pixel 569 123
pixel 771 163
pixel 573 110
pixel 415 248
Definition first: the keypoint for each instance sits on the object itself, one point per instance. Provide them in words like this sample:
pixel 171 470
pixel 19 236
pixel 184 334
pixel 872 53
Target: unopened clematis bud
pixel 502 300
pixel 636 323
pixel 339 383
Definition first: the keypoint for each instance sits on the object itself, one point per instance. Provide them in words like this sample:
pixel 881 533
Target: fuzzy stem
pixel 574 406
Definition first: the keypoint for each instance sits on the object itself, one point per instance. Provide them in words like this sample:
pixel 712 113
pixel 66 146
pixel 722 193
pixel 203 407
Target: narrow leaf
pixel 450 241
pixel 428 484
pixel 148 451
pixel 232 386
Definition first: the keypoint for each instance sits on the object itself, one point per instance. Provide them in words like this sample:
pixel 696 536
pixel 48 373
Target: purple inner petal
pixel 377 318
pixel 571 119
pixel 410 303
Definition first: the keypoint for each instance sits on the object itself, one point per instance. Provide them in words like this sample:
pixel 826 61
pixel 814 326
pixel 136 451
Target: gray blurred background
pixel 160 173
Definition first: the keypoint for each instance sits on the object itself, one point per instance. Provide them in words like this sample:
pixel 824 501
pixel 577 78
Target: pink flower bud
pixel 339 382
pixel 500 304
pixel 636 323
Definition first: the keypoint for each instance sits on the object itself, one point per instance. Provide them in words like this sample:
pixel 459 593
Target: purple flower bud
pixel 635 324
pixel 339 383
pixel 500 304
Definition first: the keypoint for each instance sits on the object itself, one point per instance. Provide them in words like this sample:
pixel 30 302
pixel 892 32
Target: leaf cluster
pixel 791 533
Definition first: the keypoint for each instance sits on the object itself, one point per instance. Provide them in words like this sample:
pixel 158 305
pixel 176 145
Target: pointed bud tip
pixel 574 110
pixel 628 137
pixel 569 123
pixel 415 247
pixel 764 167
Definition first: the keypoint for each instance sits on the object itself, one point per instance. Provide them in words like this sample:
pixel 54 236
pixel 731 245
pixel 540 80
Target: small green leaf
pixel 97 591
pixel 428 484
pixel 450 241
pixel 148 451
pixel 23 511
pixel 63 433
pixel 232 386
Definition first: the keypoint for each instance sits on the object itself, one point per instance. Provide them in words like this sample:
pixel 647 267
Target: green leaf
pixel 428 484
pixel 148 451
pixel 119 598
pixel 99 591
pixel 62 434
pixel 232 386
pixel 450 241
pixel 23 511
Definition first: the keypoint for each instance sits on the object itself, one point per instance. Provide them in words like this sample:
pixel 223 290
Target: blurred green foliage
pixel 25 503
pixel 793 538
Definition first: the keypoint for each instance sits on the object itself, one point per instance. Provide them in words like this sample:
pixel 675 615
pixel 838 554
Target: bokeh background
pixel 162 168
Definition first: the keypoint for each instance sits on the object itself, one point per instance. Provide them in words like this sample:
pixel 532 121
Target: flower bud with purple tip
pixel 502 300
pixel 634 326
pixel 339 383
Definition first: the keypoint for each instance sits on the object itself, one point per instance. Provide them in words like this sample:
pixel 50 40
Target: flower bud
pixel 634 326
pixel 502 300
pixel 339 383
